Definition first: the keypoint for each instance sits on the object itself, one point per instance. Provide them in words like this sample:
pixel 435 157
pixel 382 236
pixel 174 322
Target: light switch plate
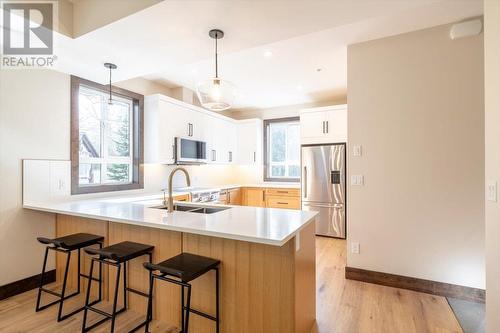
pixel 491 191
pixel 357 180
pixel 355 247
pixel 357 150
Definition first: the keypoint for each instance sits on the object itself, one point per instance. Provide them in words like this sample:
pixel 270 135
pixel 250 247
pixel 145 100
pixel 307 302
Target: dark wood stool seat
pixel 123 251
pixel 74 241
pixel 67 244
pixel 116 255
pixel 180 270
pixel 185 266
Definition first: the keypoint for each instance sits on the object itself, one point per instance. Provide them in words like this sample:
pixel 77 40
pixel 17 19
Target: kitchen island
pixel 267 259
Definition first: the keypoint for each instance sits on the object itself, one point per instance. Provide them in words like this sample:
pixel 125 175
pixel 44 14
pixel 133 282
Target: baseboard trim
pixel 21 286
pixel 415 284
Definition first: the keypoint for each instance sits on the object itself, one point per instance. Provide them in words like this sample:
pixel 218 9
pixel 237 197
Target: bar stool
pixel 67 244
pixel 116 255
pixel 185 267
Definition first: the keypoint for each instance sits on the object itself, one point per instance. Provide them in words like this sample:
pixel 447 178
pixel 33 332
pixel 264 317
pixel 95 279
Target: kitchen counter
pixel 251 224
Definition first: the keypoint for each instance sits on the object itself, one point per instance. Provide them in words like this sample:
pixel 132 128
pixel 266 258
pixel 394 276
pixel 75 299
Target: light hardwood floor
pixel 343 306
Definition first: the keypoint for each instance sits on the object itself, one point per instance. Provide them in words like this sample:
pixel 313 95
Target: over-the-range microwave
pixel 189 151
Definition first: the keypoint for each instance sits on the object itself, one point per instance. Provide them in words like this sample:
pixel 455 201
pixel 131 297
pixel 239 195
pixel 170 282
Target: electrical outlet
pixel 357 150
pixel 355 247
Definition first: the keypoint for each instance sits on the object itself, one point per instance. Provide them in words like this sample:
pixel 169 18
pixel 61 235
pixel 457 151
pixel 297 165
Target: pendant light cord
pixel 216 64
pixel 110 95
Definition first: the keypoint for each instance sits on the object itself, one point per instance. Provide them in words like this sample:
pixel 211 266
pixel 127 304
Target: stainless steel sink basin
pixel 196 209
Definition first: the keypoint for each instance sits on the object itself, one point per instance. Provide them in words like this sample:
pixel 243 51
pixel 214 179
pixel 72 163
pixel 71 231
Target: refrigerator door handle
pixel 305 182
pixel 308 204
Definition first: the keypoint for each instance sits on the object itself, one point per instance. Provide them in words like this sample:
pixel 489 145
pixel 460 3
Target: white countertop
pixel 259 225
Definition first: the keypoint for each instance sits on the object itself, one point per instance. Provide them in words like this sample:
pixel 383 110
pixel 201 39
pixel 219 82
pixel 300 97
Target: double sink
pixel 195 209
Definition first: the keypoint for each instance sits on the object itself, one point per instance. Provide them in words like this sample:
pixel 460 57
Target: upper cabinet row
pixel 324 125
pixel 228 141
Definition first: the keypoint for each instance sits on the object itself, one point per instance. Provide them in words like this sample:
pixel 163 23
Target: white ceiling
pixel 169 42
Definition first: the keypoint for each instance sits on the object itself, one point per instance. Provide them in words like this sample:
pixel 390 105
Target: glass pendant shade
pixel 216 94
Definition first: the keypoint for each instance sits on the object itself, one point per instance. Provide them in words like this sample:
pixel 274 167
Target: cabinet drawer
pixel 283 202
pixel 282 192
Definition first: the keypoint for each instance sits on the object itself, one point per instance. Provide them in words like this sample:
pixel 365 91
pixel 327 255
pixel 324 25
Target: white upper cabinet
pixel 324 125
pixel 250 142
pixel 166 118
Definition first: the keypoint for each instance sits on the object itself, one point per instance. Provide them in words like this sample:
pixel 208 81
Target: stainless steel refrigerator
pixel 324 187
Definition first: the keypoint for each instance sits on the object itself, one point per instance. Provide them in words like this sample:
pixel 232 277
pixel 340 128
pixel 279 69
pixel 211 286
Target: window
pixel 282 150
pixel 106 139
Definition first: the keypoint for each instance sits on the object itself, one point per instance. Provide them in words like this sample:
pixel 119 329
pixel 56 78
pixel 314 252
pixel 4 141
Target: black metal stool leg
pixel 41 279
pixel 63 291
pixel 87 295
pixel 149 315
pixel 183 309
pixel 217 286
pixel 188 307
pixel 125 285
pixel 115 300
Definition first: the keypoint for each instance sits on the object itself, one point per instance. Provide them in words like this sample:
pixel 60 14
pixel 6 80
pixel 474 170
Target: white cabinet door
pixel 336 125
pixel 312 126
pixel 249 142
pixel 326 125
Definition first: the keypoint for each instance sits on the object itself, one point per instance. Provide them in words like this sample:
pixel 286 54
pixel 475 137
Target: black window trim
pixel 267 122
pixel 138 139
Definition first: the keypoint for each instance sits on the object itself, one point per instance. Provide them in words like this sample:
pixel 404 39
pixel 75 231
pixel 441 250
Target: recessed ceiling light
pixel 299 87
pixel 268 54
pixel 319 69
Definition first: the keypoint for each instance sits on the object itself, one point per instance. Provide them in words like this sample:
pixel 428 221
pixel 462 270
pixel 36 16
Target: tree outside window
pixel 282 150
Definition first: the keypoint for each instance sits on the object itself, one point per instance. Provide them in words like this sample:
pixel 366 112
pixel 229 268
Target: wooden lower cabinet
pixel 231 197
pixel 254 197
pixel 283 202
pixel 184 197
pixel 271 197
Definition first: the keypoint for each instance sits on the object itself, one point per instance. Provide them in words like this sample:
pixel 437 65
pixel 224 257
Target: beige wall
pixel 89 15
pixel 416 106
pixel 35 124
pixel 492 152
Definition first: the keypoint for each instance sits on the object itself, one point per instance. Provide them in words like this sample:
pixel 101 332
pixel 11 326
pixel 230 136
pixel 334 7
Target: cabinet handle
pixel 190 129
pixel 264 195
pixel 230 156
pixel 323 127
pixel 213 155
pixel 282 192
pixel 327 127
pixel 305 182
pixel 254 157
pixel 173 152
pixel 282 203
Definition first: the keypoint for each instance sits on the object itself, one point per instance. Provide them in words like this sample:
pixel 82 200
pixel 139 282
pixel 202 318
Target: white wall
pixel 416 106
pixel 492 159
pixel 35 124
pixel 279 112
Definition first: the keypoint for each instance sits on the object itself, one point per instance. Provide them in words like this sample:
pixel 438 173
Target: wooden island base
pixel 264 288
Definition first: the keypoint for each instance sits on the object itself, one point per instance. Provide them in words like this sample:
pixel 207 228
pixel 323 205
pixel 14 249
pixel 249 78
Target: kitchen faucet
pixel 170 196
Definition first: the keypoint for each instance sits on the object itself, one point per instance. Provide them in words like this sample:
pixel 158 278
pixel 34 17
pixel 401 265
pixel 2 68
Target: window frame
pixel 137 138
pixel 267 123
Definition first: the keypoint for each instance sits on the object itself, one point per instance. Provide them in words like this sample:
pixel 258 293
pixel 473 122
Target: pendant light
pixel 216 94
pixel 110 66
